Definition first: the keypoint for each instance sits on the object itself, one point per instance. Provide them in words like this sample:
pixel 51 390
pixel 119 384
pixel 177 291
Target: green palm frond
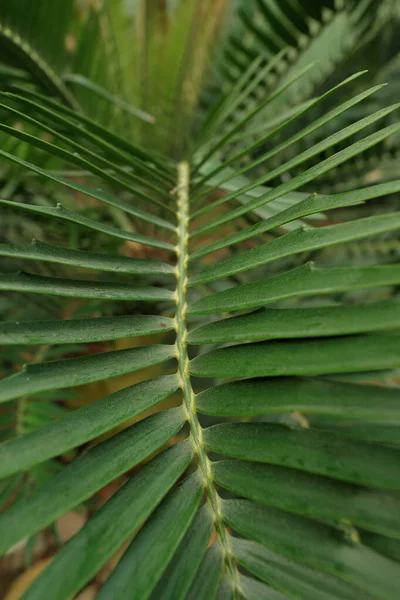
pixel 257 455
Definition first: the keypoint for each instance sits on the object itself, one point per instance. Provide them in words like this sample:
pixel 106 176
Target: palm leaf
pixel 283 476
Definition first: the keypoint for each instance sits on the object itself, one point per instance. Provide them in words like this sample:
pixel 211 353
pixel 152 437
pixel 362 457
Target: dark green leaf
pixel 86 475
pixel 267 324
pixel 135 578
pixel 311 495
pixel 72 288
pixel 302 281
pixel 316 545
pixel 83 425
pixel 255 590
pixel 59 212
pixel 208 577
pixel 310 205
pixel 85 260
pixel 181 571
pixel 296 241
pixel 84 369
pixel 305 357
pixel 286 394
pixel 320 452
pixel 296 580
pixel 76 331
pixel 111 526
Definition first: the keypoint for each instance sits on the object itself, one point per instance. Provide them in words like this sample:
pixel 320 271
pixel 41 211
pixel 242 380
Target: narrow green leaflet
pixel 71 372
pixel 301 357
pixel 226 589
pixel 313 204
pixel 296 580
pixel 389 547
pixel 80 426
pixel 98 194
pixel 314 125
pixel 254 397
pixel 324 321
pixel 86 475
pixel 84 259
pixel 305 177
pixel 157 541
pixel 181 571
pixel 26 282
pixel 97 133
pixel 79 79
pixel 255 590
pixel 76 331
pixel 311 495
pixel 303 281
pixel 316 545
pixel 206 583
pixel 59 212
pixel 320 452
pixel 300 240
pixel 78 561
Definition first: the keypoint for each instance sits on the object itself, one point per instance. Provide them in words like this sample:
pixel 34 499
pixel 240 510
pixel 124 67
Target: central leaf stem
pixel 196 431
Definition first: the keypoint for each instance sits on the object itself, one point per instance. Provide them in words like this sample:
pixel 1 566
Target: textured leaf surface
pixel 168 524
pixel 78 371
pixel 317 545
pixel 255 397
pixel 314 357
pixel 303 281
pixel 83 425
pixel 311 495
pixel 75 331
pixel 94 470
pixel 320 452
pixel 267 324
pixel 80 559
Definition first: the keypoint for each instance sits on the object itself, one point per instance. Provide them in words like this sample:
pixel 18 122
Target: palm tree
pixel 192 176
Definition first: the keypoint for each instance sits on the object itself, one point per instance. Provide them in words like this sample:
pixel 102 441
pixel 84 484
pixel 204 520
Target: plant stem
pixel 196 432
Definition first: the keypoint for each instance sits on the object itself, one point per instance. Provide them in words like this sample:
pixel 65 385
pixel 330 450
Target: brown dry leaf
pixel 22 583
pixel 88 593
pixel 70 43
pixel 69 524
